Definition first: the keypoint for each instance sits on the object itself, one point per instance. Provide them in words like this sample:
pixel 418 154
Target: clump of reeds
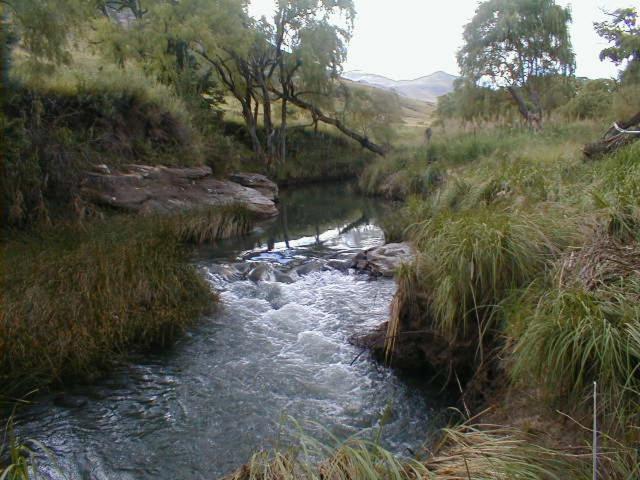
pixel 465 452
pixel 584 326
pixel 76 298
pixel 470 260
pixel 212 223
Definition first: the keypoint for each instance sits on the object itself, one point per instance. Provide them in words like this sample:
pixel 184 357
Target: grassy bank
pixel 530 256
pixel 524 292
pixel 77 298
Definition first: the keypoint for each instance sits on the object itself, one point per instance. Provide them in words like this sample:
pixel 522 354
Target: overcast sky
pixel 406 39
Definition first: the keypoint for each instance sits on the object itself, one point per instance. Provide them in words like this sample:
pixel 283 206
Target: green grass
pixel 206 225
pixel 18 459
pixel 76 299
pixel 530 255
pixel 470 260
pixel 581 325
pixel 466 451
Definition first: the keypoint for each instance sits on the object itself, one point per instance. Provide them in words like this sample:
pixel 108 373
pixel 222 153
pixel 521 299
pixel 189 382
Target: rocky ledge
pixel 258 182
pixel 383 261
pixel 148 189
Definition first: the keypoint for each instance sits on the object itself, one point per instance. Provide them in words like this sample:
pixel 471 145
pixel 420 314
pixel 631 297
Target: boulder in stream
pixel 262 272
pixel 310 267
pixel 385 260
pixel 157 189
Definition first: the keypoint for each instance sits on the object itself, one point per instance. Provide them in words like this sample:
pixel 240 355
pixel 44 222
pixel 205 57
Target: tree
pixel 518 45
pixel 623 32
pixel 294 58
pixel 41 27
pixel 372 111
pixel 156 35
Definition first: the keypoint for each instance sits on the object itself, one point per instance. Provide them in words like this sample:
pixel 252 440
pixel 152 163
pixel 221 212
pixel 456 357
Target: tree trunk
pixel 532 119
pixel 268 122
pixel 252 127
pixel 283 131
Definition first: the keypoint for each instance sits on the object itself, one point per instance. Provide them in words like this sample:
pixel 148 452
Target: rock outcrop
pixel 383 261
pixel 147 189
pixel 258 182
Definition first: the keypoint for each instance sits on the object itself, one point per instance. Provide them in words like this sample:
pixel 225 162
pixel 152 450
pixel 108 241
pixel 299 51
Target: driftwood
pixel 621 134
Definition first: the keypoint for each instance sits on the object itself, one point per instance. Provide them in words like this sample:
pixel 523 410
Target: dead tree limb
pixel 614 138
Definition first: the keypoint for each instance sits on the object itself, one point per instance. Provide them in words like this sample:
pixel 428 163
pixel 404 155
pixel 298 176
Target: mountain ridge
pixel 426 88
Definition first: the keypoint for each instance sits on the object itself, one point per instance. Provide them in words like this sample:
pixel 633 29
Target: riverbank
pixel 523 294
pixel 527 276
pixel 85 148
pixel 77 298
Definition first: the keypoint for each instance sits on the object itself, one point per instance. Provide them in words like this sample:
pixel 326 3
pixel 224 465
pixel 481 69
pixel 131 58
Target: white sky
pixel 406 39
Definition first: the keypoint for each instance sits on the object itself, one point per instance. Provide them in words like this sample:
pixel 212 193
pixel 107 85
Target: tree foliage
pixel 517 44
pixel 622 31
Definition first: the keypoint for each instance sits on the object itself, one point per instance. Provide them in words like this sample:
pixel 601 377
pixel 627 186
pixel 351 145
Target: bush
pixel 593 100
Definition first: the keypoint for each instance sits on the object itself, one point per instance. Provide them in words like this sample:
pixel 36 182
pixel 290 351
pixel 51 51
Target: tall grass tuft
pixel 470 260
pixel 465 452
pixel 311 459
pixel 76 298
pixel 215 223
pixel 490 452
pixel 584 326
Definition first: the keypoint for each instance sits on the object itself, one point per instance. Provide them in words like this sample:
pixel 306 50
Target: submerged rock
pixel 340 265
pixel 383 261
pixel 227 272
pixel 282 277
pixel 70 401
pixel 310 267
pixel 258 182
pixel 263 272
pixel 146 189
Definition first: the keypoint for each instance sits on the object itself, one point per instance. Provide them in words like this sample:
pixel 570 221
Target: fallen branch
pixel 618 136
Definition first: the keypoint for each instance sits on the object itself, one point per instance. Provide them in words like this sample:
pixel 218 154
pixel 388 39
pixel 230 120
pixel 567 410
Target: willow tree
pixel 622 31
pixel 311 38
pixel 518 45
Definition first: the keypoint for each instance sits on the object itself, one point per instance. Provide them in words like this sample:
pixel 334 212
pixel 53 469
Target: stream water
pixel 278 346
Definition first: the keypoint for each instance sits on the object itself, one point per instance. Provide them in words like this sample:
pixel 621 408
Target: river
pixel 277 347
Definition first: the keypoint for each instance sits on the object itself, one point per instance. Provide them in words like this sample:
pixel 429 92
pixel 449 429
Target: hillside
pixel 426 89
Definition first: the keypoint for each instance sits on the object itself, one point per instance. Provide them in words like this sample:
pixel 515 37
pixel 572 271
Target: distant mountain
pixel 426 89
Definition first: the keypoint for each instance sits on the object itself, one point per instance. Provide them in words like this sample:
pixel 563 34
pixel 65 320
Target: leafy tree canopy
pixel 622 31
pixel 508 42
pixel 518 44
